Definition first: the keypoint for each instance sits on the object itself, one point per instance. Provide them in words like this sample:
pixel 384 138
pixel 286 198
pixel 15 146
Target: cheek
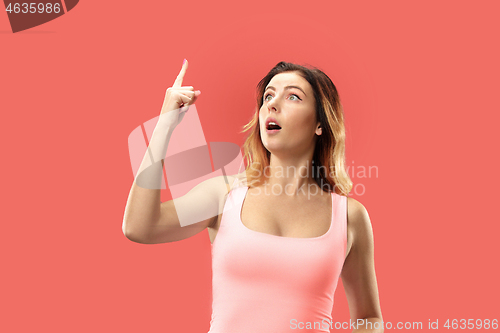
pixel 262 119
pixel 300 122
pixel 302 128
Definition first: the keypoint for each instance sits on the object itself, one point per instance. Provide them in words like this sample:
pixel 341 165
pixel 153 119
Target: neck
pixel 291 176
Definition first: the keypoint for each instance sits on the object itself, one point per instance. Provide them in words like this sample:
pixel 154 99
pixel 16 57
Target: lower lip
pixel 272 131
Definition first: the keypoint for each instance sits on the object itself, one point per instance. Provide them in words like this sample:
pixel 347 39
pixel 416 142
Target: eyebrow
pixel 287 87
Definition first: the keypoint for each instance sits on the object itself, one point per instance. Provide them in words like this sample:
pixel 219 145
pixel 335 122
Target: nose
pixel 271 104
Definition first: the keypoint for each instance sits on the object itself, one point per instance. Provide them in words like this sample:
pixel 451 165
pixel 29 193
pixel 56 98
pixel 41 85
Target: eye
pixel 297 97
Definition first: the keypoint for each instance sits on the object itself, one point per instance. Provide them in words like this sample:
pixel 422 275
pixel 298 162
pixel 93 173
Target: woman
pixel 285 230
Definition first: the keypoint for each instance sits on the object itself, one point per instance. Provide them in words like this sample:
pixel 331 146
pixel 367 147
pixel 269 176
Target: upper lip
pixel 270 119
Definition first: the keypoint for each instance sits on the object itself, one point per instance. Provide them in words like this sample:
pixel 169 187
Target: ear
pixel 318 129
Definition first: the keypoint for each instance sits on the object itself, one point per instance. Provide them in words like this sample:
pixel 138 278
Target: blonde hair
pixel 329 152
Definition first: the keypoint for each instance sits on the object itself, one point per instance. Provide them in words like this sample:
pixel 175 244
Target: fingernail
pixel 184 61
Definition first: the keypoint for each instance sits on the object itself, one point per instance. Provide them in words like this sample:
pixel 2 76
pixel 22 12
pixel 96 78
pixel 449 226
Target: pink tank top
pixel 267 283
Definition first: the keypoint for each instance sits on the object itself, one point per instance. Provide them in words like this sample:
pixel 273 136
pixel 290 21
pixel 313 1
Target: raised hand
pixel 178 98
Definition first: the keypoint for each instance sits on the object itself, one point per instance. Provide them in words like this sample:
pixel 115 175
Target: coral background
pixel 419 85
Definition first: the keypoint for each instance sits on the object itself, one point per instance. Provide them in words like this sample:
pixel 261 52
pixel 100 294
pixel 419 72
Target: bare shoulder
pixel 359 227
pixel 356 212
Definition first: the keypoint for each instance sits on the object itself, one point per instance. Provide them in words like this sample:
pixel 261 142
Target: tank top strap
pixel 234 198
pixel 236 181
pixel 340 218
pixel 230 213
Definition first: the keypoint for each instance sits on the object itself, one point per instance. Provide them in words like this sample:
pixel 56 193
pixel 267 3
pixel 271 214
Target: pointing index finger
pixel 180 77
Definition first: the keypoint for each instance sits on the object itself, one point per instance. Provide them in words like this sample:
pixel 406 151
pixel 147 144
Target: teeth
pixel 272 123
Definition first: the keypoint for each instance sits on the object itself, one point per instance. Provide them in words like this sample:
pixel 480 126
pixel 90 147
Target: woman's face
pixel 289 99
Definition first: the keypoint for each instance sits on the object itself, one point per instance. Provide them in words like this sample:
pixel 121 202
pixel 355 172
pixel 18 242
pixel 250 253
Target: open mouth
pixel 273 126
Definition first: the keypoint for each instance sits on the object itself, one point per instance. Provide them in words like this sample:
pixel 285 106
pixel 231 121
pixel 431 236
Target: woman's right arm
pixel 149 221
pixel 146 219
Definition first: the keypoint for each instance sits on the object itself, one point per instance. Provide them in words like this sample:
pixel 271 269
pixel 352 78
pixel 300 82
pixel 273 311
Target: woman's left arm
pixel 358 273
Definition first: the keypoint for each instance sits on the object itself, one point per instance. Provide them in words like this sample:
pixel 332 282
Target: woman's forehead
pixel 288 78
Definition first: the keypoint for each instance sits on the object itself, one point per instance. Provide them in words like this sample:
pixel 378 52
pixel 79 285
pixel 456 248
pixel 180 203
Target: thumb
pixel 196 94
